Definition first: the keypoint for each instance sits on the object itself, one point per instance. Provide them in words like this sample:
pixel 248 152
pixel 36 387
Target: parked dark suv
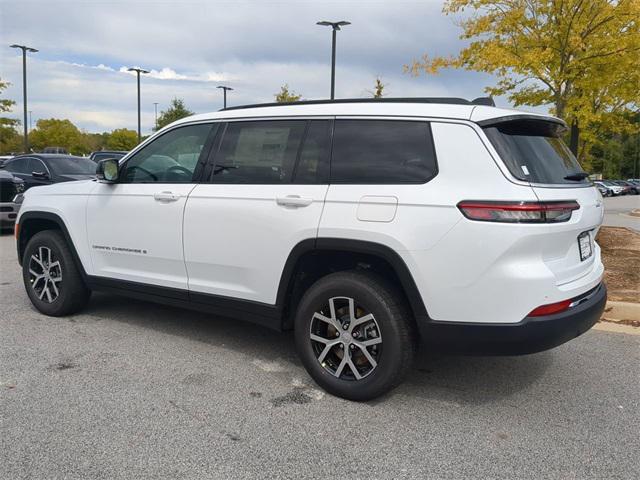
pixel 45 169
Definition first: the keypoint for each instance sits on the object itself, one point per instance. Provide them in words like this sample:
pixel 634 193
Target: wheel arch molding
pixel 33 222
pixel 293 269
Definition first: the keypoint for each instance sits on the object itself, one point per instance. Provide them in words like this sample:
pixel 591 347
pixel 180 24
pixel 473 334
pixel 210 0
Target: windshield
pixel 72 166
pixel 534 152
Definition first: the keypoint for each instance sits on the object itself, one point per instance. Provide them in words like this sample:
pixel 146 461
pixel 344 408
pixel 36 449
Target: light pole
pixel 138 71
pixel 24 49
pixel 335 26
pixel 155 107
pixel 224 89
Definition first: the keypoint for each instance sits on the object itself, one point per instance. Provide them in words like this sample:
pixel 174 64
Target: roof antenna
pixel 488 101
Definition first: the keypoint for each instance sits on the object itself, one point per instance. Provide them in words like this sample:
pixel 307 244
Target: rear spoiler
pixel 486 101
pixel 560 125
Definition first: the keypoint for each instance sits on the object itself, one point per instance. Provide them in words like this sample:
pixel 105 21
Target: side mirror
pixel 43 175
pixel 107 170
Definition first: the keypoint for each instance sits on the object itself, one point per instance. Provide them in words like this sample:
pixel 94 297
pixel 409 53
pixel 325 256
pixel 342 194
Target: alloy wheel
pixel 45 275
pixel 346 339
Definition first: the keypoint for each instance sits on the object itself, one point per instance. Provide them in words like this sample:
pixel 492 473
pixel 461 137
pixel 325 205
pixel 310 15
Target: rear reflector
pixel 518 212
pixel 551 308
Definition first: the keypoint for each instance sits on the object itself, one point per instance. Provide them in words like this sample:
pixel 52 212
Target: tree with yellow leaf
pixel 580 56
pixel 287 96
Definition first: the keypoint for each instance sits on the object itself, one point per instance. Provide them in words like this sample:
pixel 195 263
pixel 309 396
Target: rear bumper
pixel 531 335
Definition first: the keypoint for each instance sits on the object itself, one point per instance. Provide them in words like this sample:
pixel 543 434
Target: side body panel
pixel 238 237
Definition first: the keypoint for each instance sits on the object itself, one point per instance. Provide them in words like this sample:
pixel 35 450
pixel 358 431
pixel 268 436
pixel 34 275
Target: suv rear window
pixel 533 151
pixel 382 152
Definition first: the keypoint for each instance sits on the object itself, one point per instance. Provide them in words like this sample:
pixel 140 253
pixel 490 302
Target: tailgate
pixel 560 247
pixel 534 152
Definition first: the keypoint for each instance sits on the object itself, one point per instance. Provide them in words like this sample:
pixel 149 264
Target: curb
pixel 621 312
pixel 621 317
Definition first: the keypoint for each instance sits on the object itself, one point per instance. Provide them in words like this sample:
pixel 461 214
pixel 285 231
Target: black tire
pixel 396 330
pixel 72 293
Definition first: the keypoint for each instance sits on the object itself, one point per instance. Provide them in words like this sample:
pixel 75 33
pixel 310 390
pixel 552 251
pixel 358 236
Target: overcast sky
pixel 193 46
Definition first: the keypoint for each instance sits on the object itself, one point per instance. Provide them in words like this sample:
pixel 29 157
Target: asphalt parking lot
pixel 135 390
pixel 617 209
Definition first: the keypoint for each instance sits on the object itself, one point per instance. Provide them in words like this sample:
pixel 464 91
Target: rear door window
pixel 313 161
pixel 382 152
pixel 534 151
pixel 20 165
pixel 260 152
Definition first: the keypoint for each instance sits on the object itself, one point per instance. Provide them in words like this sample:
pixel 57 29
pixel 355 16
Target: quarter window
pixel 261 152
pixel 171 158
pixel 382 152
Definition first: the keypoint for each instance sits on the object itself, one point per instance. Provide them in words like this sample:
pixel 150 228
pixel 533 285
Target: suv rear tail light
pixel 518 212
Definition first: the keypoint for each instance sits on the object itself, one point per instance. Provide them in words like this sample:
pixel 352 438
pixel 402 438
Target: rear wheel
pixel 52 279
pixel 354 335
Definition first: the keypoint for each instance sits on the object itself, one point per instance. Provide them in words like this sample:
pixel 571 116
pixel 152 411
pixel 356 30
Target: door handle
pixel 166 197
pixel 294 201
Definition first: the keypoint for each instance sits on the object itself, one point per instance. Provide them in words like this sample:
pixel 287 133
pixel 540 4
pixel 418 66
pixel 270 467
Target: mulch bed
pixel 621 258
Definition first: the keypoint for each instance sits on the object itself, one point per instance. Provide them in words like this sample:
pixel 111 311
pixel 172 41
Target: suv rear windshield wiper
pixel 577 176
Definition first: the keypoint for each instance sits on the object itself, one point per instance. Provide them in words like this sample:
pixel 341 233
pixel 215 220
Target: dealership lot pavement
pixel 135 390
pixel 616 212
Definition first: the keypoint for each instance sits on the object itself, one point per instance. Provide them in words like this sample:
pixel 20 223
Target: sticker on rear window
pixel 524 169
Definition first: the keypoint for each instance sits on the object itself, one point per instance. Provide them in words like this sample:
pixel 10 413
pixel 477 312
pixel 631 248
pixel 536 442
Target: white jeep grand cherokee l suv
pixel 365 226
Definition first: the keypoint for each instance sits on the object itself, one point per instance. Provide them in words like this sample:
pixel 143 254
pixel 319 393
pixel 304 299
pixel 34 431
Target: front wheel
pixel 51 277
pixel 354 335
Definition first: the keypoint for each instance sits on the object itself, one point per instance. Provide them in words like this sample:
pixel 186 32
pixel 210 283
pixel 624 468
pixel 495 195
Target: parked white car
pixel 610 187
pixel 368 227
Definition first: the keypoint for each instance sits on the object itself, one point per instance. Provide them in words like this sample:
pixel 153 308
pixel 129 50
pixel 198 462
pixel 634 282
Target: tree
pixel 378 89
pixel 10 139
pixel 616 155
pixel 580 56
pixel 95 141
pixel 122 139
pixel 286 96
pixel 176 111
pixel 6 105
pixel 55 132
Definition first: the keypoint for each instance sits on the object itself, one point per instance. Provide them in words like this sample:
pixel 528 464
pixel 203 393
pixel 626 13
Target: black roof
pixel 446 100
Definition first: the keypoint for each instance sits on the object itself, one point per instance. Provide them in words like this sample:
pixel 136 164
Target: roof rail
pixel 448 100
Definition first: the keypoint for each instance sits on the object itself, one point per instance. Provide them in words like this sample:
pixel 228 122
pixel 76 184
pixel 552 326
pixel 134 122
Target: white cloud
pixel 167 73
pixel 102 66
